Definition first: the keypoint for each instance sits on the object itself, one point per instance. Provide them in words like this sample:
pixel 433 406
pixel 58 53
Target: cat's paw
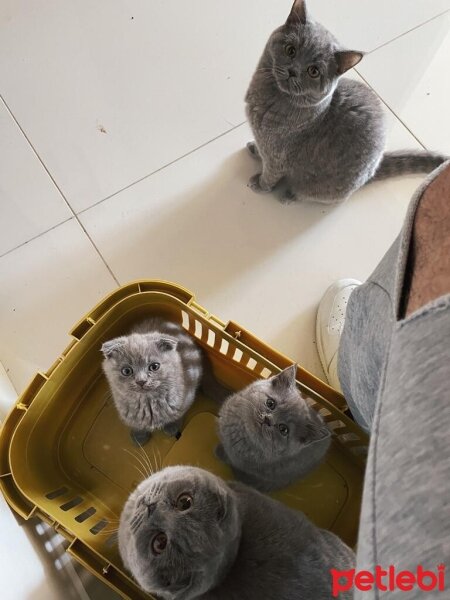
pixel 287 197
pixel 140 437
pixel 253 150
pixel 254 183
pixel 173 430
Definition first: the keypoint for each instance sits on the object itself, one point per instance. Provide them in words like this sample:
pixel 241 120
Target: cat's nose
pixel 292 73
pixel 267 421
pixel 140 382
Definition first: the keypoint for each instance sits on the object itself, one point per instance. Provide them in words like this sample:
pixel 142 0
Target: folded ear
pixel 347 59
pixel 166 344
pixel 286 378
pixel 113 346
pixel 298 14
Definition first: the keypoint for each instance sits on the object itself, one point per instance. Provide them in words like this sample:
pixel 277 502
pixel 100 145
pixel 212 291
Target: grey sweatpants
pixel 395 374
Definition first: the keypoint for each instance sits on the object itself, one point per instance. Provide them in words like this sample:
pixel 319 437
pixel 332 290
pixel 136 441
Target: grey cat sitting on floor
pixel 185 534
pixel 269 435
pixel 154 374
pixel 320 137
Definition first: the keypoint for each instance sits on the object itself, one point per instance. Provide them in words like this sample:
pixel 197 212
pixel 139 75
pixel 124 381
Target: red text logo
pixel 388 580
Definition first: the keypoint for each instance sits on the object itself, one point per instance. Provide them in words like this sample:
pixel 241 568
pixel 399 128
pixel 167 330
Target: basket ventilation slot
pixel 85 514
pixel 251 364
pixel 72 503
pixel 56 493
pixel 98 527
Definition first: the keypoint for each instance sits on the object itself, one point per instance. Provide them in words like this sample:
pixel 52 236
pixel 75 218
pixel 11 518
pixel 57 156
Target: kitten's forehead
pixel 312 38
pixel 182 478
pixel 140 345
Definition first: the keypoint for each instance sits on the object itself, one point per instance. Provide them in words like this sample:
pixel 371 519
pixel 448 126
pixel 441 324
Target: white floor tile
pixel 245 256
pixel 46 286
pixel 109 91
pixel 365 24
pixel 411 74
pixel 29 201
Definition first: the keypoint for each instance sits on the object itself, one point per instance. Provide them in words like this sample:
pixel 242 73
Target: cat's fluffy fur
pixel 230 543
pixel 269 435
pixel 154 374
pixel 320 137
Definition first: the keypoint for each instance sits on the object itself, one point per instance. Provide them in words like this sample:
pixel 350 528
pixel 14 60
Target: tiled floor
pixel 122 131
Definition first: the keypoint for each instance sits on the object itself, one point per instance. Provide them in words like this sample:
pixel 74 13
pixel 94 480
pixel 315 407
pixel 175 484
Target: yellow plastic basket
pixel 66 458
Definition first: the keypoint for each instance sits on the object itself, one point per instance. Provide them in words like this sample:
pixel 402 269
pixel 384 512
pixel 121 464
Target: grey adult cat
pixel 185 534
pixel 320 137
pixel 154 374
pixel 269 435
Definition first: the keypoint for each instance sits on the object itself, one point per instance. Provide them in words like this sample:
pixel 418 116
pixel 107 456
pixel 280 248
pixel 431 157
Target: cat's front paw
pixel 255 184
pixel 140 437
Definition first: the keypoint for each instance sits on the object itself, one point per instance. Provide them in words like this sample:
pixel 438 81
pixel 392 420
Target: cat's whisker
pixel 160 459
pixel 145 458
pixel 136 457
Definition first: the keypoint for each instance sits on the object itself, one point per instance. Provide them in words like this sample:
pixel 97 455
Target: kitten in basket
pixel 269 435
pixel 185 534
pixel 154 374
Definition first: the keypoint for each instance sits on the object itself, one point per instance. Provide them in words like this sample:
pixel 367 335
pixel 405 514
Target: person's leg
pixel 405 518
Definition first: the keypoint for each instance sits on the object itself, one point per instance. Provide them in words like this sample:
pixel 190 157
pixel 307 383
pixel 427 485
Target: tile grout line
pixel 391 110
pixel 406 32
pixel 35 237
pixel 62 196
pixel 169 164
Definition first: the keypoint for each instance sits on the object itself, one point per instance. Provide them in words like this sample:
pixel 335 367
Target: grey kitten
pixel 319 136
pixel 269 435
pixel 185 534
pixel 154 374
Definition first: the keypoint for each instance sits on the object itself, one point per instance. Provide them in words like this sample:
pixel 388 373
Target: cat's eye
pixel 284 429
pixel 313 71
pixel 270 403
pixel 184 502
pixel 290 50
pixel 159 543
pixel 126 371
pixel 154 366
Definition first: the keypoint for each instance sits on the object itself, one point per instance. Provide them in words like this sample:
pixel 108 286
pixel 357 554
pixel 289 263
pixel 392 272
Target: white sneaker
pixel 329 325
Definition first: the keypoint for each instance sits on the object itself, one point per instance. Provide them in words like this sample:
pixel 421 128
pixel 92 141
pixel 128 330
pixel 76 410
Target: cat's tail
pixel 405 162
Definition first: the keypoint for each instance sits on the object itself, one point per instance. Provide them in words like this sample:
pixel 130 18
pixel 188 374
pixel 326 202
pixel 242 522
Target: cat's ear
pixel 347 59
pixel 111 347
pixel 166 344
pixel 286 378
pixel 298 15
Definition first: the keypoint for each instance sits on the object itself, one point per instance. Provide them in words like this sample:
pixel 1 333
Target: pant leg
pixel 395 374
pixel 365 339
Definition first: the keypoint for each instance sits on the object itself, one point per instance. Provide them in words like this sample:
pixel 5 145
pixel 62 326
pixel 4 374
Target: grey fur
pixel 167 393
pixel 320 138
pixel 232 543
pixel 251 440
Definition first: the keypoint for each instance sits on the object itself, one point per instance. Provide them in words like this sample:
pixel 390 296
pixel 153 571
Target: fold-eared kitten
pixel 269 435
pixel 185 534
pixel 318 135
pixel 154 374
